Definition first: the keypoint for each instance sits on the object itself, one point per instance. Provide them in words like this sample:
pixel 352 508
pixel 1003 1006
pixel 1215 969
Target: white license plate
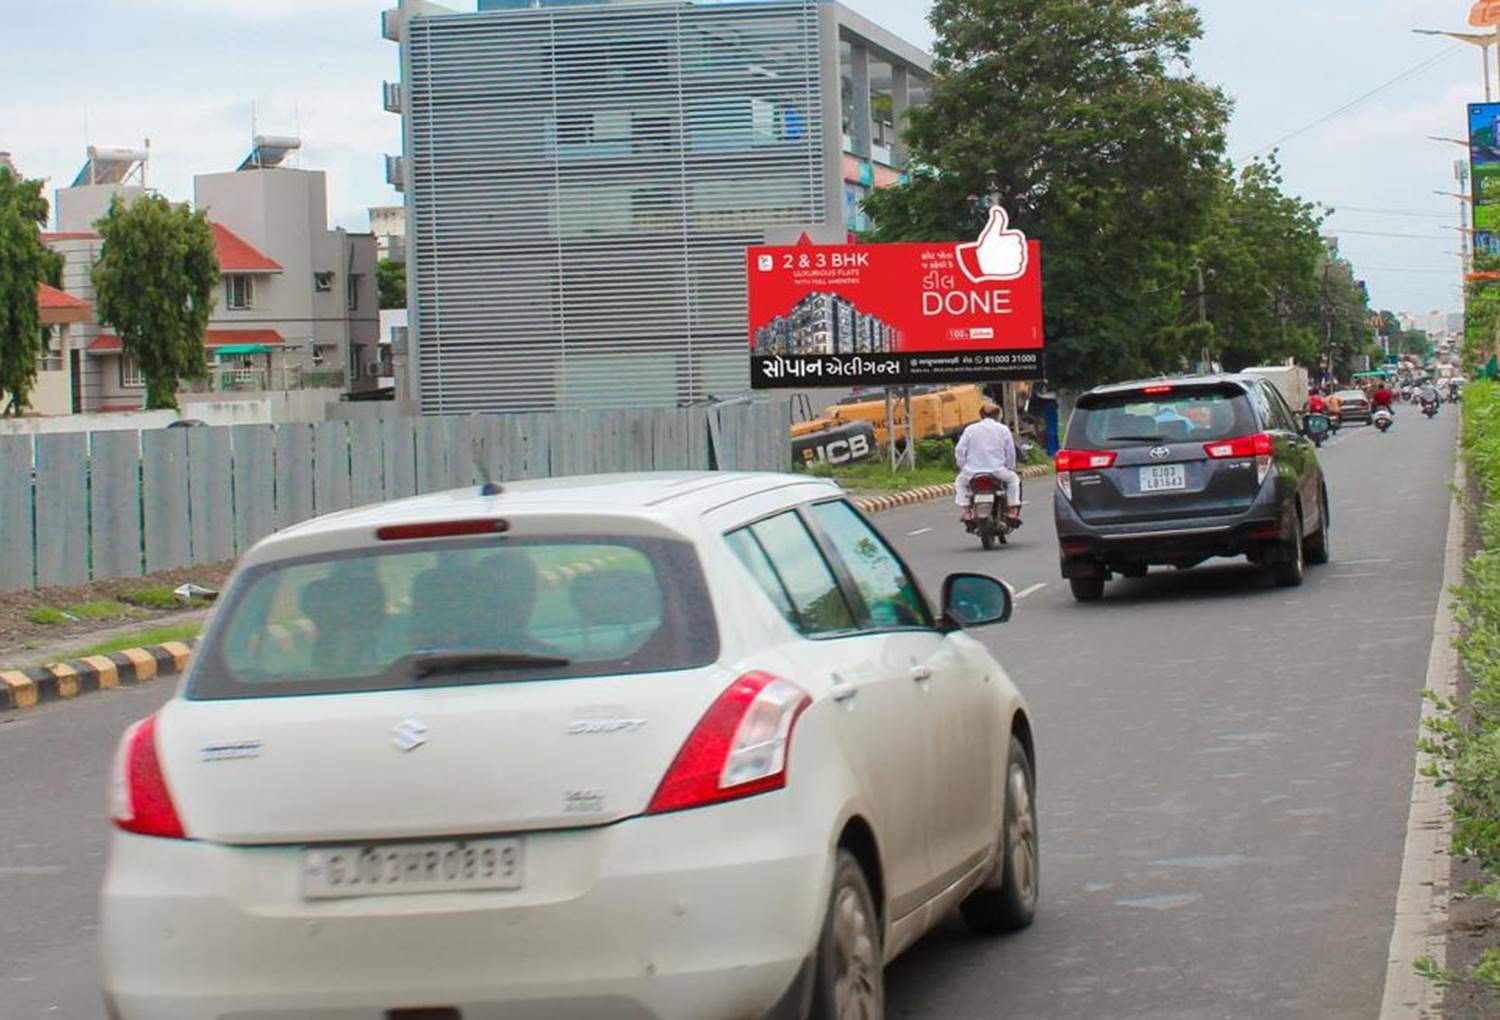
pixel 984 497
pixel 391 869
pixel 1163 477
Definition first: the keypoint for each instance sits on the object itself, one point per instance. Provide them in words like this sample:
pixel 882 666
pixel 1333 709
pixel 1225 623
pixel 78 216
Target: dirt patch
pixel 19 635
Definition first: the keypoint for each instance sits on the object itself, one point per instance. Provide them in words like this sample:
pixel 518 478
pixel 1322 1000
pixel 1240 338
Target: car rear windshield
pixel 1106 421
pixel 449 614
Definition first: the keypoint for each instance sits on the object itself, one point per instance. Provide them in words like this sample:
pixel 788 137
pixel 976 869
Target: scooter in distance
pixel 1317 426
pixel 1384 419
pixel 988 515
pixel 1430 408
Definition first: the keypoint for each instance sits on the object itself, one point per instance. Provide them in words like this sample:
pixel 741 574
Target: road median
pixel 880 502
pixel 60 681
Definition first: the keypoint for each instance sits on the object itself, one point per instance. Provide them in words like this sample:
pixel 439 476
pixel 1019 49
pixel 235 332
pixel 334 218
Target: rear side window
pixel 362 621
pixel 1110 421
pixel 889 593
pixel 798 575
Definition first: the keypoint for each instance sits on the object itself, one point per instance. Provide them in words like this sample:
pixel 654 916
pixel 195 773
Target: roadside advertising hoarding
pixel 897 314
pixel 1484 161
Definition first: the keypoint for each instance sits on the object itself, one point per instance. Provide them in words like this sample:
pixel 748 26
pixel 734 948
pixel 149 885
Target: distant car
pixel 687 746
pixel 1354 405
pixel 186 423
pixel 1174 472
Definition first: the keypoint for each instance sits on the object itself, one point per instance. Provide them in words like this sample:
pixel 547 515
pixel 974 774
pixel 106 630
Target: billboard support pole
pixel 898 455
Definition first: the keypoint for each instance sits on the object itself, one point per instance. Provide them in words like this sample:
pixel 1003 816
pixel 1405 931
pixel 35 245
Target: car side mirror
pixel 975 600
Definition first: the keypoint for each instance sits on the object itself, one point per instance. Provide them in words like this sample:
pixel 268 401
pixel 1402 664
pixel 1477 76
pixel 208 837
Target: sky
pixel 192 76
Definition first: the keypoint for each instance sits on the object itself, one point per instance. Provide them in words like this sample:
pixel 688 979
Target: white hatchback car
pixel 683 746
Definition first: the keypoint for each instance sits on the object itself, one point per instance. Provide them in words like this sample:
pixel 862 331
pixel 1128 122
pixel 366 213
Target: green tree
pixel 1102 147
pixel 1344 316
pixel 25 263
pixel 1415 341
pixel 1261 255
pixel 392 284
pixel 154 283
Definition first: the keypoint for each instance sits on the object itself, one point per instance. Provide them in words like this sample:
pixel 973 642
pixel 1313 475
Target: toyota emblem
pixel 1160 453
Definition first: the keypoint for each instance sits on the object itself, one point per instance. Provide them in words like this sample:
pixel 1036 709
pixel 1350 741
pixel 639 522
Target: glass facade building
pixel 582 180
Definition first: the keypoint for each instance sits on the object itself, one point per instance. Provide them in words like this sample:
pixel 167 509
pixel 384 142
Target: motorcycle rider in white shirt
pixel 987 448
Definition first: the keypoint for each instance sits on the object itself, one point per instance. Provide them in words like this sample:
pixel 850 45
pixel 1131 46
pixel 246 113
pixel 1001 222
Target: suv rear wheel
pixel 1087 589
pixel 1319 547
pixel 1290 571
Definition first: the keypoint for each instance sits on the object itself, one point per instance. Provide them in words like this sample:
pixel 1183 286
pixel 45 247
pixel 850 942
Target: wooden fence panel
pixel 699 455
pixel 210 494
pixel 332 487
pixel 62 509
pixel 17 541
pixel 399 447
pixel 294 474
pixel 432 455
pixel 366 462
pixel 115 504
pixel 254 483
pixel 164 498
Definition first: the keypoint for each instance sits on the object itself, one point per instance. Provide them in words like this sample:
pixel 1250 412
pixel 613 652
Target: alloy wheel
pixel 857 968
pixel 1020 836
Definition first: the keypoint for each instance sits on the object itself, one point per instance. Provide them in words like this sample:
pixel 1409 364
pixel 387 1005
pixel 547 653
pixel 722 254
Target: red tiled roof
pixel 73 235
pixel 236 255
pixel 50 297
pixel 107 342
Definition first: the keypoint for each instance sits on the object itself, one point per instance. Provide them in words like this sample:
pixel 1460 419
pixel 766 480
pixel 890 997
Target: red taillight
pixel 1155 390
pixel 1084 460
pixel 142 802
pixel 441 529
pixel 739 748
pixel 982 483
pixel 1258 445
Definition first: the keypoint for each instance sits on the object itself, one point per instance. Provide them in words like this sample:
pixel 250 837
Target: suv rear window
pixel 410 615
pixel 1108 421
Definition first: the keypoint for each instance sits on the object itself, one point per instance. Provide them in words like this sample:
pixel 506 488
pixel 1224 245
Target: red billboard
pixel 897 314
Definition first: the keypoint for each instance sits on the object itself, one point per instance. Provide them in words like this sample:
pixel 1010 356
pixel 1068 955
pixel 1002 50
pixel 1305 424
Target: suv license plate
pixel 390 869
pixel 1163 477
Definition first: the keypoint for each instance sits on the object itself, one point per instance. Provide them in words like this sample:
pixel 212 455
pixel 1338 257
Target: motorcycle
pixel 988 511
pixel 1430 408
pixel 1317 426
pixel 1384 419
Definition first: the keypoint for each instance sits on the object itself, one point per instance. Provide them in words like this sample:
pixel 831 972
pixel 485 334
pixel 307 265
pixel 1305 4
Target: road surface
pixel 1224 774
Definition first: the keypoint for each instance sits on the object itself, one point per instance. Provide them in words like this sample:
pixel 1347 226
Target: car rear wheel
pixel 850 981
pixel 1087 589
pixel 1008 900
pixel 1290 571
pixel 1319 547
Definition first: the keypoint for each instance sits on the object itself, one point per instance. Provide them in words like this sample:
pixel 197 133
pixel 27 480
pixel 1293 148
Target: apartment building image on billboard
pixel 582 179
pixel 826 324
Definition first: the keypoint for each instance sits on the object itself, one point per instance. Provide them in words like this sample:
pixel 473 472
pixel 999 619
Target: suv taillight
pixel 1260 446
pixel 1069 461
pixel 739 748
pixel 141 801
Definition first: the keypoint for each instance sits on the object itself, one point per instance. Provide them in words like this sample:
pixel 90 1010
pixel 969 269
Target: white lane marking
pixel 1360 563
pixel 1346 577
pixel 1030 591
pixel 919 531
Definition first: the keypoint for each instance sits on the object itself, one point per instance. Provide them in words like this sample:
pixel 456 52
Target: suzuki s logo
pixel 1160 453
pixel 409 735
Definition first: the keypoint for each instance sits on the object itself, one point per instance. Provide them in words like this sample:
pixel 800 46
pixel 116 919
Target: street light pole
pixel 1484 40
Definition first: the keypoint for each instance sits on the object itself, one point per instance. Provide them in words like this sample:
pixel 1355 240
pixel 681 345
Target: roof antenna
pixel 487 486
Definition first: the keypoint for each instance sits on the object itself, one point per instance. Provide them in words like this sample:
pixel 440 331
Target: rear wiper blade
pixel 452 660
pixel 1137 439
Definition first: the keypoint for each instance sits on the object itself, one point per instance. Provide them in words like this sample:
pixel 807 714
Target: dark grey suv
pixel 1176 471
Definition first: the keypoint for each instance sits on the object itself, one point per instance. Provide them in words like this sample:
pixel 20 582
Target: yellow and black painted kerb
pixel 928 493
pixel 26 688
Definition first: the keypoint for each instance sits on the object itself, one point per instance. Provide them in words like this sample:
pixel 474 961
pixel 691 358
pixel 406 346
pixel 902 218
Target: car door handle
pixel 920 673
pixel 843 692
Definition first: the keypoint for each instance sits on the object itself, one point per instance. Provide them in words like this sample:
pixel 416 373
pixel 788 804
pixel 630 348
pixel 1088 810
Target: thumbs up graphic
pixel 999 254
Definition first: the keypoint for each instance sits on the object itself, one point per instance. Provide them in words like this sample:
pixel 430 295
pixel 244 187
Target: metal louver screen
pixel 585 181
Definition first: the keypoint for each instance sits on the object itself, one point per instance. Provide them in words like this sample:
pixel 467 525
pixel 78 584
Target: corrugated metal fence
pixel 87 506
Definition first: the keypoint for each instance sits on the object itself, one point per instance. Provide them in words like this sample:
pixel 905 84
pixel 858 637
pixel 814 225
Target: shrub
pixel 1465 738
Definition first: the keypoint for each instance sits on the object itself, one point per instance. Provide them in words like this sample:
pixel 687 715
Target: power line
pixel 1336 209
pixel 1411 72
pixel 1382 233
